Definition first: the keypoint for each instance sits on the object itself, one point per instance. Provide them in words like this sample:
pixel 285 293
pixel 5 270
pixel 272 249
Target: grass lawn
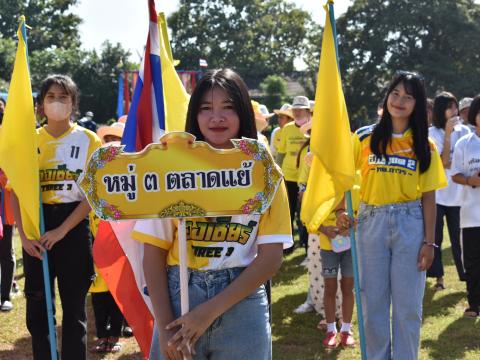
pixel 445 333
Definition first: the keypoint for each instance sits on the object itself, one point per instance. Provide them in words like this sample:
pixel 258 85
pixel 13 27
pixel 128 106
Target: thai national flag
pixel 117 256
pixel 146 118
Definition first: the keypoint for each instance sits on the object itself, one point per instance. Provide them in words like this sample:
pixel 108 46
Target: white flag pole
pixel 182 249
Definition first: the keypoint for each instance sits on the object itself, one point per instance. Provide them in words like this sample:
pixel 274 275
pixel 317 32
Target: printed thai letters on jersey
pixel 62 160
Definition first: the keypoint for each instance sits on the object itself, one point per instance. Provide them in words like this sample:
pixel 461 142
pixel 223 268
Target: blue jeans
pixel 242 332
pixel 389 241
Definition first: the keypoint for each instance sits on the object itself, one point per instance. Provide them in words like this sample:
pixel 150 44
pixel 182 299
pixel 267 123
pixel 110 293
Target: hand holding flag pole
pixel 19 161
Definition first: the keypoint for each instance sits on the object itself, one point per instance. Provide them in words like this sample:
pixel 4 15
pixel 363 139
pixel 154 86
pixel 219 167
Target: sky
pixel 126 21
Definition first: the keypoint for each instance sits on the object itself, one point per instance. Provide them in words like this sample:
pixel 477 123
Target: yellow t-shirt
pixel 221 242
pixel 398 178
pixel 291 140
pixel 303 167
pixel 62 160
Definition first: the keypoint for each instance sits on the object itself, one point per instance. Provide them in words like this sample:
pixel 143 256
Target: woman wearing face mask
pixel 64 149
pixel 291 142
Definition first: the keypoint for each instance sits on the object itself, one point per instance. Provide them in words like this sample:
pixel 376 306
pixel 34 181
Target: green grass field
pixel 445 333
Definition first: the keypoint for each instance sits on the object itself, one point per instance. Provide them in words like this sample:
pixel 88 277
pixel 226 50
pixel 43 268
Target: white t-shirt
pixel 466 161
pixel 273 146
pixel 451 195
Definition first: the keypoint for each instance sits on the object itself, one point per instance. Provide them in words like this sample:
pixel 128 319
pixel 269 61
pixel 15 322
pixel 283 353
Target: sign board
pixel 180 177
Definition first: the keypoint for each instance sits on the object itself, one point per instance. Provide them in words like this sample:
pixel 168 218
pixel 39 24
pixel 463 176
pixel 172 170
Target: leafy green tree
pixel 434 37
pixel 275 88
pixel 256 38
pixel 52 22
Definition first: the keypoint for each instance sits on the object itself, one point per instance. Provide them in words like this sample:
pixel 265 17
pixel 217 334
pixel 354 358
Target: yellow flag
pixel 175 95
pixel 18 140
pixel 333 170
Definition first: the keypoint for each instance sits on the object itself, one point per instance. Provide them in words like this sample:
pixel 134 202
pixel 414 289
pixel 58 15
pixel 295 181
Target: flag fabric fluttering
pixel 333 169
pixel 159 104
pixel 18 140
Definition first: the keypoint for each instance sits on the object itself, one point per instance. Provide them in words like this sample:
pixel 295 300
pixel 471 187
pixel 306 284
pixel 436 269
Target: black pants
pixel 292 193
pixel 452 214
pixel 471 259
pixel 70 262
pixel 7 262
pixel 108 318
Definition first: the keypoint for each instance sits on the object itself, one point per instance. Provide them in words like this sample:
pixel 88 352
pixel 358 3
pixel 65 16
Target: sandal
pixel 114 345
pixel 470 313
pixel 101 346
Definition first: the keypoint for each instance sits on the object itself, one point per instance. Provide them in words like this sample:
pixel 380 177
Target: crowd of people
pixel 418 164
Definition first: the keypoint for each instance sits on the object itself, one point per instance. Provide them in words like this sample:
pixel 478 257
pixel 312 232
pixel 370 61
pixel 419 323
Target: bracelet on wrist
pixel 430 244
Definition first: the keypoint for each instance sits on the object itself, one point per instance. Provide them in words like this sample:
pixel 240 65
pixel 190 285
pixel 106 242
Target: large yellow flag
pixel 18 140
pixel 175 95
pixel 333 170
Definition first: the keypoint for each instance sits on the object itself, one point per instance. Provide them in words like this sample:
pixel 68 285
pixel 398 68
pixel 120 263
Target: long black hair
pixel 382 133
pixel 229 81
pixel 441 103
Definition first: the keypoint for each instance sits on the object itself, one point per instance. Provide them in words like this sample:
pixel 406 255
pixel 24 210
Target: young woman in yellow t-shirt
pixel 229 316
pixel 400 171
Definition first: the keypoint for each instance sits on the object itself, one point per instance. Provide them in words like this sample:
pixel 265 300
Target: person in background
pixel 87 122
pixel 108 317
pixel 466 172
pixel 284 116
pixel 446 130
pixel 463 108
pixel 2 109
pixel 7 253
pixel 291 142
pixel 261 121
pixel 429 111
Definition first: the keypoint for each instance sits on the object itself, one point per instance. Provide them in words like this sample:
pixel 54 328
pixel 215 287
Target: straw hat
pixel 305 128
pixel 286 110
pixel 464 103
pixel 116 129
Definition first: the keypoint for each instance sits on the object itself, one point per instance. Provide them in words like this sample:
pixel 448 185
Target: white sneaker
pixel 303 309
pixel 6 306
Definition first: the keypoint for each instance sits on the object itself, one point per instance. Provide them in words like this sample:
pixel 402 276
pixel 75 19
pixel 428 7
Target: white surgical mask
pixel 57 111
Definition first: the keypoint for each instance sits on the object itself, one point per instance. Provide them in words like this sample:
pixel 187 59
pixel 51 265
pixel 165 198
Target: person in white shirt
pixel 446 130
pixel 466 172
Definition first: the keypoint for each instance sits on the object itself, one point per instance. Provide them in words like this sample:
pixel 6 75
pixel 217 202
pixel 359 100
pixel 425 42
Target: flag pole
pixel 48 291
pixel 348 197
pixel 182 249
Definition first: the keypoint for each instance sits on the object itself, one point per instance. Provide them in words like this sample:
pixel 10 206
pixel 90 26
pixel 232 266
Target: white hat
pixel 464 103
pixel 264 111
pixel 300 102
pixel 312 104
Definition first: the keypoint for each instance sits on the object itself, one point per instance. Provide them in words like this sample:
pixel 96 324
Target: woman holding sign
pixel 229 311
pixel 400 171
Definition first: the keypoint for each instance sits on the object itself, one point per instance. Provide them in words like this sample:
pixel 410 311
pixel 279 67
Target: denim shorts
pixel 242 332
pixel 332 262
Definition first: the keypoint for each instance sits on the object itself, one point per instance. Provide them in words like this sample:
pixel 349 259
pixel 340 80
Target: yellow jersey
pixel 396 178
pixel 291 140
pixel 220 242
pixel 62 160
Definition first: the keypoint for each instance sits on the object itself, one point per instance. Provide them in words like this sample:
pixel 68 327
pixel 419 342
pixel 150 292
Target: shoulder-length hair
pixel 382 133
pixel 441 103
pixel 229 81
pixel 65 82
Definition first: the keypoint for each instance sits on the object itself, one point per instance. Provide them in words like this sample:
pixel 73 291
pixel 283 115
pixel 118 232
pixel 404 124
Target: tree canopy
pixel 434 37
pixel 256 38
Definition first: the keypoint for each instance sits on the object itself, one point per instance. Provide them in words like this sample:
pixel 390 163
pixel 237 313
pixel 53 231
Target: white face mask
pixel 57 111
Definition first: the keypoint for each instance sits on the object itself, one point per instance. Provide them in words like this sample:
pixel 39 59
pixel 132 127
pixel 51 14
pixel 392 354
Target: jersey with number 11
pixel 62 160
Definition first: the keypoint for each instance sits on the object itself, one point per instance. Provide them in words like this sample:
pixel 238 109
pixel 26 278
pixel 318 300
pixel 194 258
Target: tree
pixel 256 38
pixel 433 37
pixel 275 88
pixel 52 23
